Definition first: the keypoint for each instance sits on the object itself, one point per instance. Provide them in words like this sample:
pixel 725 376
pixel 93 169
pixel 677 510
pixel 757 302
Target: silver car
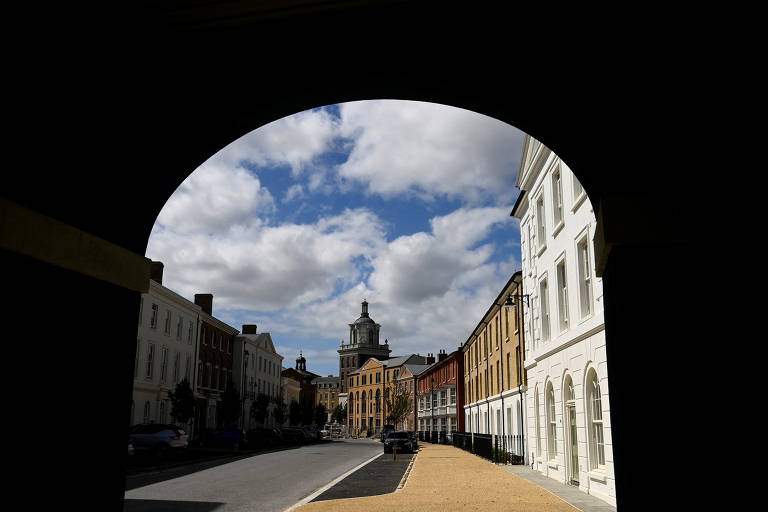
pixel 157 438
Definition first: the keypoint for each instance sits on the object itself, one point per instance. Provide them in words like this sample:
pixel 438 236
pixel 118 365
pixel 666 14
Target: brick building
pixel 440 389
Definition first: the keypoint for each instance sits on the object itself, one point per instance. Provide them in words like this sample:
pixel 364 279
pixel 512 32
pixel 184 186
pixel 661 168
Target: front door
pixel 574 459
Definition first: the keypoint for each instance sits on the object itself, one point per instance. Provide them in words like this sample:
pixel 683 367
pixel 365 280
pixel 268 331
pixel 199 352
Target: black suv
pixel 385 431
pixel 401 438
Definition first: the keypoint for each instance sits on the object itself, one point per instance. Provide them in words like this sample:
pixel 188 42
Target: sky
pixel 405 204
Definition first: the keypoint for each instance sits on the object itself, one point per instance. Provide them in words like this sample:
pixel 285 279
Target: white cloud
pixel 430 150
pixel 213 199
pixel 294 141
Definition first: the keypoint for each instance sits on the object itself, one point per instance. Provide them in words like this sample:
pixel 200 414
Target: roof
pixel 332 379
pixel 416 369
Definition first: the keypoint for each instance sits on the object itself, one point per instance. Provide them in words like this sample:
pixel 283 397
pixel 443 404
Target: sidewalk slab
pixel 447 478
pixel 569 493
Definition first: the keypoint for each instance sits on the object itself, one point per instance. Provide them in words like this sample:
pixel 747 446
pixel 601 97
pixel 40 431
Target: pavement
pixel 446 478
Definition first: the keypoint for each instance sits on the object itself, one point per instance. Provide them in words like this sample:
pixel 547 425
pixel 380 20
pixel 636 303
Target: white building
pixel 568 412
pixel 256 359
pixel 166 350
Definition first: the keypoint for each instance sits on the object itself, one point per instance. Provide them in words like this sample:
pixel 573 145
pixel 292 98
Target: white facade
pixel 568 412
pixel 255 357
pixel 166 352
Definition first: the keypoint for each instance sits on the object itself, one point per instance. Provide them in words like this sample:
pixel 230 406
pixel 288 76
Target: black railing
pixel 434 436
pixel 508 449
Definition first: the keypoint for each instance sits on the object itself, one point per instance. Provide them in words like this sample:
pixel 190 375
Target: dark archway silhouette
pixel 125 126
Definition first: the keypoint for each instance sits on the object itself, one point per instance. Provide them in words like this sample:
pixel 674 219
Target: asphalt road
pixel 265 482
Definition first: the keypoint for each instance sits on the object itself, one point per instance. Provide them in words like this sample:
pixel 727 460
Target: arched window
pixel 378 400
pixel 595 422
pixel 551 424
pixel 364 402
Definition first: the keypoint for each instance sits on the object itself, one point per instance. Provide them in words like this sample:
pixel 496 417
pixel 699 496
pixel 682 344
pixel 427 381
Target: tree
pixel 339 414
pixel 182 402
pixel 320 415
pixel 397 399
pixel 294 413
pixel 230 405
pixel 259 408
pixel 279 412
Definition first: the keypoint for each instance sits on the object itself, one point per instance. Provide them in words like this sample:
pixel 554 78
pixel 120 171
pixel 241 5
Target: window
pixel 146 412
pixel 187 367
pixel 164 364
pixel 562 295
pixel 153 318
pixel 443 398
pixel 540 227
pixel 141 309
pixel 203 336
pixel 557 198
pixel 179 327
pixel 551 423
pixel 578 190
pixel 544 299
pixel 168 322
pixel 585 277
pixel 136 358
pixel 150 360
pixel 364 379
pixel 452 397
pixel 538 429
pixel 189 333
pixel 199 374
pixel 176 367
pixel 595 412
pixel 208 373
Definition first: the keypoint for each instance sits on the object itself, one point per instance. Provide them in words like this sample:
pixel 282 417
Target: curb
pixel 404 480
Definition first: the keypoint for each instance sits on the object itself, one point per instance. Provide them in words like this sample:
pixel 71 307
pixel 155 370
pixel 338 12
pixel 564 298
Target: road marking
pixel 330 484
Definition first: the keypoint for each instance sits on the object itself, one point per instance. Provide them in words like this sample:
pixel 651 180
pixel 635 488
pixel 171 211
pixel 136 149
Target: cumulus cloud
pixel 214 198
pixel 429 150
pixel 294 141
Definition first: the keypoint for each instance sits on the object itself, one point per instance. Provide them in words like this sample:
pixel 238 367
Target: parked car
pixel 157 438
pixel 263 437
pixel 399 438
pixel 228 437
pixel 385 431
pixel 295 435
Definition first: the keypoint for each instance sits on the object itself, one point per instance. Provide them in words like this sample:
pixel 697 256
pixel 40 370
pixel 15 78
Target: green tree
pixel 307 413
pixel 182 402
pixel 294 413
pixel 320 415
pixel 397 399
pixel 260 407
pixel 339 414
pixel 230 405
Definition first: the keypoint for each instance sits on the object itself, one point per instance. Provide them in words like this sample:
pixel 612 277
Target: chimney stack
pixel 156 272
pixel 205 301
pixel 249 329
pixel 430 358
pixel 442 355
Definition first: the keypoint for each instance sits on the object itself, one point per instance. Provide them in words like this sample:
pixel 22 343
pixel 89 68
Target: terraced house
pixel 494 377
pixel 166 349
pixel 568 410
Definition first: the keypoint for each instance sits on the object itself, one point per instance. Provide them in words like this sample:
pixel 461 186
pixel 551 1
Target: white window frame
pixel 541 224
pixel 585 275
pixel 153 318
pixel 167 327
pixel 150 361
pixel 164 364
pixel 551 423
pixel 577 191
pixel 558 209
pixel 562 293
pixel 179 327
pixel 596 430
pixel 545 332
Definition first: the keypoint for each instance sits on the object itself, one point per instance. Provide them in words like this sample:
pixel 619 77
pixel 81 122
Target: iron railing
pixel 507 449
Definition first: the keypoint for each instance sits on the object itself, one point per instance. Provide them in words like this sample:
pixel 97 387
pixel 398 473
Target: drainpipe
pixel 501 357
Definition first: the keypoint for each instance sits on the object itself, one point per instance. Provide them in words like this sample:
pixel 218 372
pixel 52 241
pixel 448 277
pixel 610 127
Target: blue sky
pixel 405 204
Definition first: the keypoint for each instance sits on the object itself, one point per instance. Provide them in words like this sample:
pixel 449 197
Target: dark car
pixel 263 437
pixel 295 435
pixel 230 437
pixel 156 438
pixel 399 438
pixel 385 431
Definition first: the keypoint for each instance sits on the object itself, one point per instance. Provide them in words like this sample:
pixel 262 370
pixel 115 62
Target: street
pixel 265 482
